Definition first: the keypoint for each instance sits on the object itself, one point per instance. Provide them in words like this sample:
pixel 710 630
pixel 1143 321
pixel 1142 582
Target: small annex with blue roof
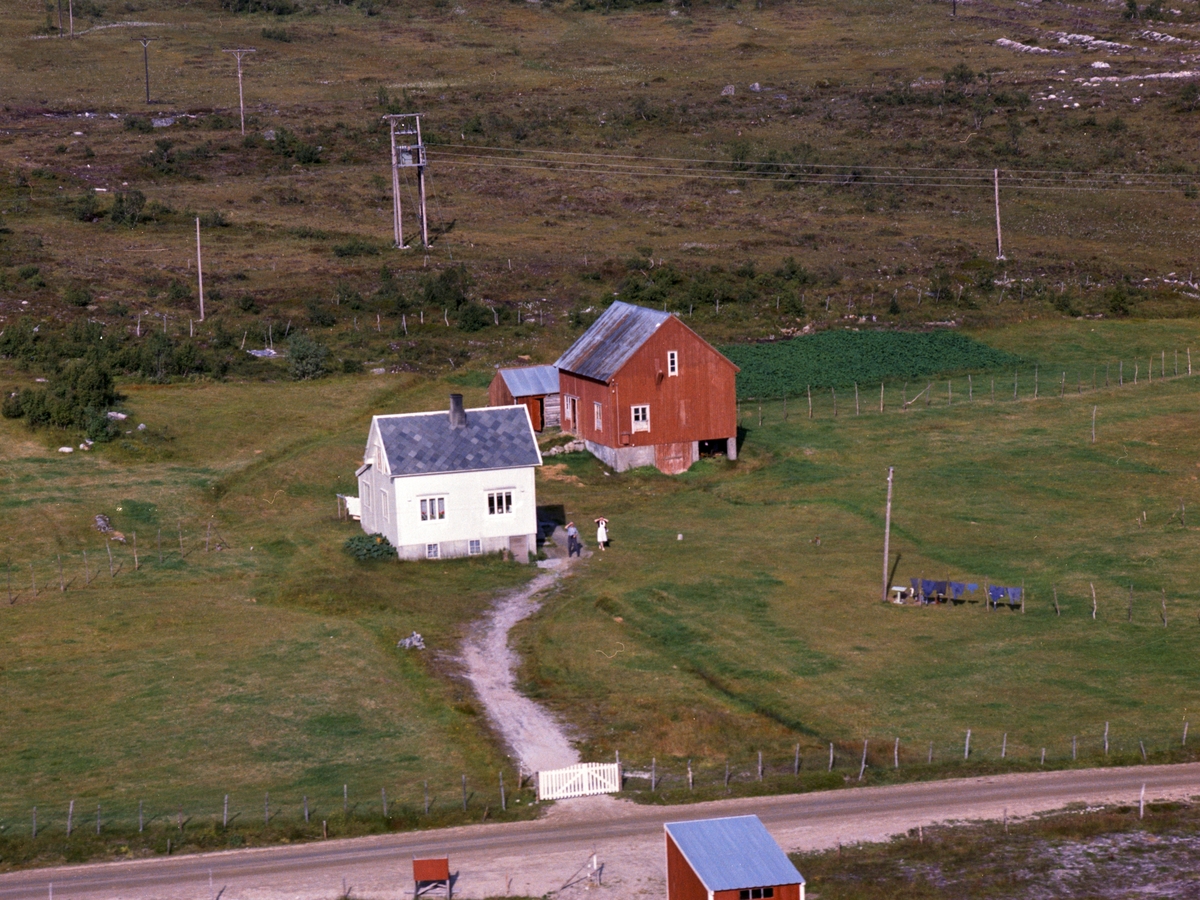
pixel 535 388
pixel 732 858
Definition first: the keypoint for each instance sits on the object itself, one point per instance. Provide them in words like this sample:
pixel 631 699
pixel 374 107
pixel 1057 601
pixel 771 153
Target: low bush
pixel 366 547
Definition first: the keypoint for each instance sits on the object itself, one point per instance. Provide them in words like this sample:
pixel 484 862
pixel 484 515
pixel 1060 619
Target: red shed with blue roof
pixel 733 858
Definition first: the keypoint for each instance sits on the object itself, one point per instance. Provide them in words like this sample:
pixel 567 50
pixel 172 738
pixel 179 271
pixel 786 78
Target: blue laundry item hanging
pixel 929 588
pixel 996 594
pixel 916 585
pixel 959 588
pixel 1014 594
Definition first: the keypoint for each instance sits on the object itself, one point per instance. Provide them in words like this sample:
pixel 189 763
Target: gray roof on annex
pixel 613 338
pixel 424 443
pixel 531 381
pixel 733 853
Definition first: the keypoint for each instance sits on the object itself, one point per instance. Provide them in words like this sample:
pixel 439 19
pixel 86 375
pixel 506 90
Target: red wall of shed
pixel 682 882
pixel 698 404
pixel 782 892
pixel 498 393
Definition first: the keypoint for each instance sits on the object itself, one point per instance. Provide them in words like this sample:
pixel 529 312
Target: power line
pixel 806 173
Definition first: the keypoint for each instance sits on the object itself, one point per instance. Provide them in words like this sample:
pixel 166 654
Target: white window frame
pixel 385 507
pixel 433 551
pixel 598 415
pixel 500 502
pixel 433 509
pixel 672 362
pixel 641 423
pixel 474 548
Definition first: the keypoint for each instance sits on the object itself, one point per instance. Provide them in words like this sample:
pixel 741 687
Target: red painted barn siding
pixel 698 404
pixel 498 392
pixel 682 882
pixel 782 892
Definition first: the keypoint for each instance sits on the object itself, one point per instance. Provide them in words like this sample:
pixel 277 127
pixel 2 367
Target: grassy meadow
pixel 827 198
pixel 267 663
pixel 739 608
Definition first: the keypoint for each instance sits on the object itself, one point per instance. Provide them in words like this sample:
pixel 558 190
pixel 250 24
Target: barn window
pixel 431 551
pixel 499 503
pixel 641 418
pixel 756 893
pixel 474 548
pixel 383 505
pixel 672 362
pixel 433 508
pixel 598 411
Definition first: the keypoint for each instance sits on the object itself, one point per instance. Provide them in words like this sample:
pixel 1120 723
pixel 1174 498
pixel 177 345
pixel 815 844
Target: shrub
pixel 306 358
pixel 474 317
pixel 87 209
pixel 214 219
pixel 127 208
pixel 319 315
pixel 448 289
pixel 140 124
pixel 78 296
pixel 365 547
pixel 355 247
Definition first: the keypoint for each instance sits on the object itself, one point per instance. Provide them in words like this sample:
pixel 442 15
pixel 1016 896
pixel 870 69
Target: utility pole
pixel 999 241
pixel 407 156
pixel 887 534
pixel 71 15
pixel 199 271
pixel 145 42
pixel 241 101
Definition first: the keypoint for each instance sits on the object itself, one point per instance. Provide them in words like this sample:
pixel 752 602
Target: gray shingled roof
pixel 733 853
pixel 424 443
pixel 613 338
pixel 531 381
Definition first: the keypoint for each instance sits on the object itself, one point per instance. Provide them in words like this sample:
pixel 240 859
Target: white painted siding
pixel 467 516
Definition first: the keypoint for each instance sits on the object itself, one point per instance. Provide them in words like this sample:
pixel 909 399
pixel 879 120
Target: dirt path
pixel 532 735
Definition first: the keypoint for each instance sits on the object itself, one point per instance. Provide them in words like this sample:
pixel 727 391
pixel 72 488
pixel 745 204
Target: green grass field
pixel 269 664
pixel 763 626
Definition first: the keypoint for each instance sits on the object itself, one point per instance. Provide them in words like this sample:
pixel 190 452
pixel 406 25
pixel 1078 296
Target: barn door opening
pixel 536 411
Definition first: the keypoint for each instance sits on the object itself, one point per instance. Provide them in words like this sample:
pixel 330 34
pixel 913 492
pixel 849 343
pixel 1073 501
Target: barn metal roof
pixel 733 853
pixel 613 338
pixel 498 437
pixel 531 381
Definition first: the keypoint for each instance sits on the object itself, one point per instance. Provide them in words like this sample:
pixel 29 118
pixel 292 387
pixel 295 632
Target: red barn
pixel 728 859
pixel 642 389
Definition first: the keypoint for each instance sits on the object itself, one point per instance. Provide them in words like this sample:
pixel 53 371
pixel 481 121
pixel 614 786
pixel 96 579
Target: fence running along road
pixel 628 837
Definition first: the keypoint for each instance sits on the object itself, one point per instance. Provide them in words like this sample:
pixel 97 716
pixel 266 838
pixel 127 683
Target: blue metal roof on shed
pixel 733 853
pixel 499 437
pixel 613 338
pixel 531 381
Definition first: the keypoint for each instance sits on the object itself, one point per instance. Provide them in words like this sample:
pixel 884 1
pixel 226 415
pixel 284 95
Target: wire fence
pixel 1039 383
pixel 332 812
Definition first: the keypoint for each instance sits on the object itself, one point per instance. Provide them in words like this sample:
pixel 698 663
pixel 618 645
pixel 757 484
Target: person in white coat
pixel 601 532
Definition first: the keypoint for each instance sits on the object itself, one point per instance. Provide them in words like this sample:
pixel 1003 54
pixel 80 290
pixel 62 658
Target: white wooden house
pixel 457 483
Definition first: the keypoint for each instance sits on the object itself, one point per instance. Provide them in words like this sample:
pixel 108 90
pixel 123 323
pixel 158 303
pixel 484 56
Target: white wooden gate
pixel 581 780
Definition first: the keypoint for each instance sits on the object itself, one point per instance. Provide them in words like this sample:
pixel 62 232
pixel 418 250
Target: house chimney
pixel 458 415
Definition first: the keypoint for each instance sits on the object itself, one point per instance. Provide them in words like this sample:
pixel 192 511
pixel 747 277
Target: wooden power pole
pixel 241 100
pixel 887 534
pixel 407 156
pixel 199 270
pixel 145 42
pixel 999 240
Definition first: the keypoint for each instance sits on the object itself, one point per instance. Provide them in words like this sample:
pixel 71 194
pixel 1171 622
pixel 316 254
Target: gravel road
pixel 533 858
